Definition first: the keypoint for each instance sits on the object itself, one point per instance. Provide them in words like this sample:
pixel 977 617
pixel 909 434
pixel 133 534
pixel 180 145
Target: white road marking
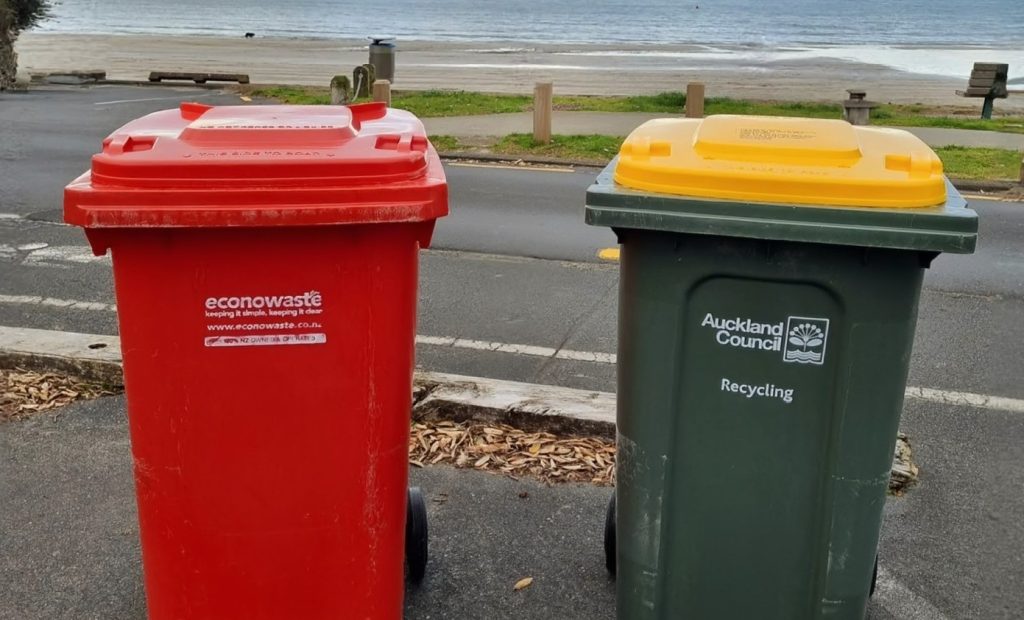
pixel 517 349
pixel 52 255
pixel 504 347
pixel 41 254
pixel 966 399
pixel 71 304
pixel 22 221
pixel 586 356
pixel 152 99
pixel 946 397
pixel 438 341
pixel 901 601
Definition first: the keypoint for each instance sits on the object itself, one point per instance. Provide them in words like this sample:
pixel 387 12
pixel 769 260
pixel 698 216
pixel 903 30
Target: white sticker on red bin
pixel 264 320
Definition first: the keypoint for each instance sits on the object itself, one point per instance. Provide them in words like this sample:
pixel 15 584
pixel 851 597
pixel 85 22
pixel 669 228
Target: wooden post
pixel 382 91
pixel 695 100
pixel 340 89
pixel 362 81
pixel 1022 171
pixel 542 102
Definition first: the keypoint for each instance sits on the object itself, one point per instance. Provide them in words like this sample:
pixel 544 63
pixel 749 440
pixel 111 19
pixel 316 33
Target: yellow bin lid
pixel 782 160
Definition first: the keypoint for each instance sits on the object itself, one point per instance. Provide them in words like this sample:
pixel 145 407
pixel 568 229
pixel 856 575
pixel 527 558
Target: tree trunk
pixel 8 59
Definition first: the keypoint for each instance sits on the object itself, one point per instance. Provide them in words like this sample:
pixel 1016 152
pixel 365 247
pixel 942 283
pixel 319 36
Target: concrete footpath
pixel 622 123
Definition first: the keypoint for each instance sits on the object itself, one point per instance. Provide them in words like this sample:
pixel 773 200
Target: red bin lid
pixel 272 165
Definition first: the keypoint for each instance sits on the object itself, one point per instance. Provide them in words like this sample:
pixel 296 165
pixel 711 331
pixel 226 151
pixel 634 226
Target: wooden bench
pixel 198 78
pixel 71 77
pixel 988 80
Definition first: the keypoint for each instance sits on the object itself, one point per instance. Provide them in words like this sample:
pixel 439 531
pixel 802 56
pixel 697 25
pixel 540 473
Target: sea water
pixel 920 36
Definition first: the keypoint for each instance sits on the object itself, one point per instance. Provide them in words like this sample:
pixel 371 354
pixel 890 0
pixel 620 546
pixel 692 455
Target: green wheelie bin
pixel 770 275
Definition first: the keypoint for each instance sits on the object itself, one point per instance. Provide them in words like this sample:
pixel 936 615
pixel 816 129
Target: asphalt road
pixel 514 264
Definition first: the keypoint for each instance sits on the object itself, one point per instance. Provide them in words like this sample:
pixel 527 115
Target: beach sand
pixel 499 67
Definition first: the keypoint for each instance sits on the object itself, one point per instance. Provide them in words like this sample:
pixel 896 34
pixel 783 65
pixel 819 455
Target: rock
pixel 903 473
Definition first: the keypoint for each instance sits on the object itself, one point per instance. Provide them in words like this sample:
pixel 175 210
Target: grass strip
pixel 439 103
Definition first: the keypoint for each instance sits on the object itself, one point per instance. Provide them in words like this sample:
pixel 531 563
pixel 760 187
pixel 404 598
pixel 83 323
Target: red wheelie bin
pixel 265 265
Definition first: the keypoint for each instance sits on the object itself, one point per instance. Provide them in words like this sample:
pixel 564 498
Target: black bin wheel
pixel 416 536
pixel 609 537
pixel 874 578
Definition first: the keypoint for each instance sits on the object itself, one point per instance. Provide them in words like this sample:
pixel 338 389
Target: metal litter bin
pixel 382 57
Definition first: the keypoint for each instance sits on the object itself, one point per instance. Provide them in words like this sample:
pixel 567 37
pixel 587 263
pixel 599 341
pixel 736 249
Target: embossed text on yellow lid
pixel 782 160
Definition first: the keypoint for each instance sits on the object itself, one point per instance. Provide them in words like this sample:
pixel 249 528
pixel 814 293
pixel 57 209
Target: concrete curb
pixel 435 395
pixel 97 358
pixel 525 405
pixel 178 84
pixel 968 185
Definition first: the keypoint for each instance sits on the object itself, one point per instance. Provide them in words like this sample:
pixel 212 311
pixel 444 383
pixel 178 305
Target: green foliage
pixel 446 144
pixel 724 105
pixel 591 148
pixel 976 163
pixel 296 95
pixel 897 117
pixel 433 103
pixel 669 103
pixel 18 15
pixel 959 162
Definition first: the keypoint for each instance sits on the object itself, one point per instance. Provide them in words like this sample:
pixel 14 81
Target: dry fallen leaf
pixel 513 452
pixel 516 453
pixel 23 392
pixel 523 583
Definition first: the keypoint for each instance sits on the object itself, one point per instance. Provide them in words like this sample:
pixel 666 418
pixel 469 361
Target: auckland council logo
pixel 805 340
